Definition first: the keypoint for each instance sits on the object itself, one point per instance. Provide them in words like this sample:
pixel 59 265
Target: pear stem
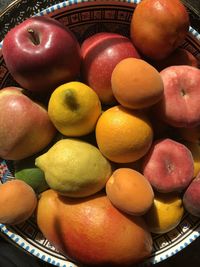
pixel 70 99
pixel 34 37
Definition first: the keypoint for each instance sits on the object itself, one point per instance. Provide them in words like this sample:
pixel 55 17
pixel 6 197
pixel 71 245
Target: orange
pixel 123 135
pixel 136 84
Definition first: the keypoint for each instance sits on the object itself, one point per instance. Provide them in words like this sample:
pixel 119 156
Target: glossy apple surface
pixel 100 54
pixel 41 54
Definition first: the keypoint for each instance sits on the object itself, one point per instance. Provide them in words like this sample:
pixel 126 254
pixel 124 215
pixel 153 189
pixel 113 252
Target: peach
pixel 130 191
pixel 83 229
pixel 191 197
pixel 18 202
pixel 136 84
pixel 168 166
pixel 158 27
pixel 180 105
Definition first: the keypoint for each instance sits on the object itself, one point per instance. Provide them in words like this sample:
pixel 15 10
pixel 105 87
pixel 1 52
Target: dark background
pixel 11 256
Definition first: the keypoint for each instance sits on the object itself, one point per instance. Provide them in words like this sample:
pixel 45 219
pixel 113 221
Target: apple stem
pixel 34 37
pixel 70 99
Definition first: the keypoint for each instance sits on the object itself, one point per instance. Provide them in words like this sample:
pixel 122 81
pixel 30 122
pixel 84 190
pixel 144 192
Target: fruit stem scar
pixel 70 99
pixel 183 93
pixel 34 37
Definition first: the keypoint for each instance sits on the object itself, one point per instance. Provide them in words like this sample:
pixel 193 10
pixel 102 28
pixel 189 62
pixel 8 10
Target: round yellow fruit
pixel 74 109
pixel 165 214
pixel 74 168
pixel 123 135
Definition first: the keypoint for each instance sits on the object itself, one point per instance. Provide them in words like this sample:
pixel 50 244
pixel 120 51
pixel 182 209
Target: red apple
pixel 180 105
pixel 158 27
pixel 168 166
pixel 41 54
pixel 25 125
pixel 100 54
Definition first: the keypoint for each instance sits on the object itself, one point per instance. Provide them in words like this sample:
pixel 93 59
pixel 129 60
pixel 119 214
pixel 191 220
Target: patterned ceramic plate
pixel 85 18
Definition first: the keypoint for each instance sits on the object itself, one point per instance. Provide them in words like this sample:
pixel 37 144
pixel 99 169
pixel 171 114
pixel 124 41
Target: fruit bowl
pixel 85 18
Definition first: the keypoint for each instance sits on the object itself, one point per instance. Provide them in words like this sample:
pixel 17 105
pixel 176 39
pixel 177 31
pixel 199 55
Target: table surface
pixel 190 255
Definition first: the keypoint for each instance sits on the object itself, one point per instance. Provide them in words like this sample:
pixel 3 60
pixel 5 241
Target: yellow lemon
pixel 165 214
pixel 74 109
pixel 74 168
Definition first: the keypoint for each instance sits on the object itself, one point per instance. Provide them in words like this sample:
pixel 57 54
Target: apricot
pixel 17 200
pixel 136 84
pixel 130 191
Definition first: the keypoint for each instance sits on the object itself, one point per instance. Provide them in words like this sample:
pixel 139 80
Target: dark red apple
pixel 100 54
pixel 41 54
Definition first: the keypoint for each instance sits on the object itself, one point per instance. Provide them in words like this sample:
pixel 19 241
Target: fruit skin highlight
pixel 74 168
pixel 83 230
pixel 74 109
pixel 41 54
pixel 123 135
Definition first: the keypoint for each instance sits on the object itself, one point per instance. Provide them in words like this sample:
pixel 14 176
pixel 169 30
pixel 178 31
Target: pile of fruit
pixel 104 135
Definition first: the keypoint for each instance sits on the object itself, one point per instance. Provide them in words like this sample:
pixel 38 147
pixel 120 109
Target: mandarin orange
pixel 123 135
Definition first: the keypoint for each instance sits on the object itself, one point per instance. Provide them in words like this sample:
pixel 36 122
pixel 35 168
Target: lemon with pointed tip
pixel 74 168
pixel 74 109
